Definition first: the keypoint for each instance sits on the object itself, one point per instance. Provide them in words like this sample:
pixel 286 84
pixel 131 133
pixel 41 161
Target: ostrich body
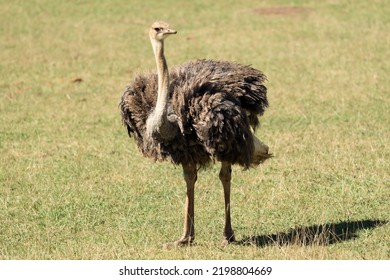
pixel 197 113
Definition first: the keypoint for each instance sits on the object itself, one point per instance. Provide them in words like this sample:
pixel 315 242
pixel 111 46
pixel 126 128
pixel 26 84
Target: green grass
pixel 73 186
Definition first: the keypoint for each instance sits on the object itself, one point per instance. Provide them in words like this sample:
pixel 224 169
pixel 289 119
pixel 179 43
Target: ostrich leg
pixel 225 176
pixel 190 176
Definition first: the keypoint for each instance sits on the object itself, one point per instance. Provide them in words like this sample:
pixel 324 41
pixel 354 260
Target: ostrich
pixel 201 112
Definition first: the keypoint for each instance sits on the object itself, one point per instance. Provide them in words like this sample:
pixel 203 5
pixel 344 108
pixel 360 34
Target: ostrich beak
pixel 169 31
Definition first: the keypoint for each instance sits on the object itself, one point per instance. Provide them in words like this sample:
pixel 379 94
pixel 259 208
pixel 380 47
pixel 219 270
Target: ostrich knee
pixel 225 174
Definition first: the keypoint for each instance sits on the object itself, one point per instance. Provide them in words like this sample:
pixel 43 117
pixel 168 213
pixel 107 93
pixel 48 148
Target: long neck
pixel 163 79
pixel 159 125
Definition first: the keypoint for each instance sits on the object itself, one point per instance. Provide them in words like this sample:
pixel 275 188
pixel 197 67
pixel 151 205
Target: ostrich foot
pixel 186 241
pixel 227 240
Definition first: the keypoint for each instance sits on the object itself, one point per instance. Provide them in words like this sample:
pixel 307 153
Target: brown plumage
pixel 211 101
pixel 212 109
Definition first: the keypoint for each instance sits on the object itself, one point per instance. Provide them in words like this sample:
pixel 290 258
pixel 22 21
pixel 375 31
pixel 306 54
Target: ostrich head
pixel 160 30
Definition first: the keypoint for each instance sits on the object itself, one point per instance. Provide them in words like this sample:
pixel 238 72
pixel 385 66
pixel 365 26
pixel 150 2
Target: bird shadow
pixel 319 235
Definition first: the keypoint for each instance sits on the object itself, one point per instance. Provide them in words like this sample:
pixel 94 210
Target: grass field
pixel 74 186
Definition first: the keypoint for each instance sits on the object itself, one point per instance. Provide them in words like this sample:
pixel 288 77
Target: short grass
pixel 73 186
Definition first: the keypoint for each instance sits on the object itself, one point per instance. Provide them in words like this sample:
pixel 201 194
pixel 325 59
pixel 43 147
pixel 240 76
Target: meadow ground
pixel 74 186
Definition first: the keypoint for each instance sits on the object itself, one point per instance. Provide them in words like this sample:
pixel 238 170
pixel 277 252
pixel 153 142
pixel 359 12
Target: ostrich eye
pixel 157 29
